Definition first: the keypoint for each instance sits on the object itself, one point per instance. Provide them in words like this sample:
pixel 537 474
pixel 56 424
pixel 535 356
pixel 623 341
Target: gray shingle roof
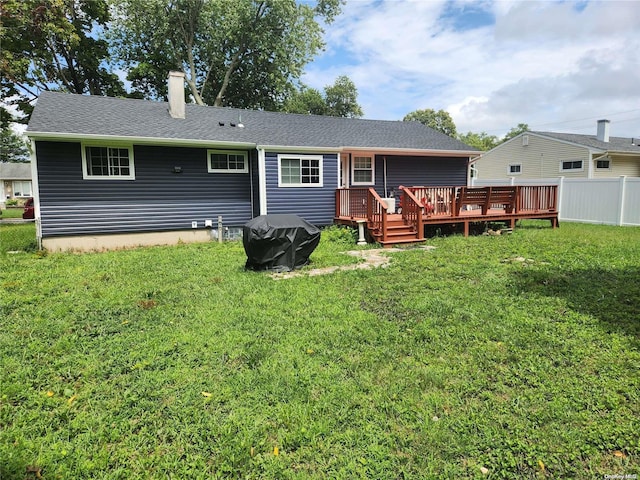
pixel 62 113
pixel 15 171
pixel 615 144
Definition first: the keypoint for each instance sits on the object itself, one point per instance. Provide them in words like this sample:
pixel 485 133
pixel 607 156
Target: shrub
pixel 340 234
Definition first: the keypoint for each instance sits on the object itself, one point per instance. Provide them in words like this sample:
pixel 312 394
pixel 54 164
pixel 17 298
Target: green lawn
pixel 11 213
pixel 515 356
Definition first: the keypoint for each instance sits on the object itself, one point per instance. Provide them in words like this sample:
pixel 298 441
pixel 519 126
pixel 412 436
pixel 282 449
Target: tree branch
pixel 235 61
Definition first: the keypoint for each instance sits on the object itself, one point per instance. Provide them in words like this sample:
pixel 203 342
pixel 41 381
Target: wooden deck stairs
pixel 397 232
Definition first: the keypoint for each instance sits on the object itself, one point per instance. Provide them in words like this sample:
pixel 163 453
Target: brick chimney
pixel 603 130
pixel 176 94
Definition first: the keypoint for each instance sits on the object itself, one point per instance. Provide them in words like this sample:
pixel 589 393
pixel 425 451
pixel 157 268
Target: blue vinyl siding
pixel 157 200
pixel 420 171
pixel 315 204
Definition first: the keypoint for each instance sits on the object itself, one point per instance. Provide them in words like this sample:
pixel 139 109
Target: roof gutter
pixel 56 136
pixel 186 142
pixel 413 151
pixel 298 149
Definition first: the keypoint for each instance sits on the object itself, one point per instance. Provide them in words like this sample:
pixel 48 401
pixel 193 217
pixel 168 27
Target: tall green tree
pixel 481 141
pixel 241 53
pixel 515 131
pixel 342 98
pixel 438 120
pixel 13 147
pixel 339 100
pixel 54 45
pixel 306 101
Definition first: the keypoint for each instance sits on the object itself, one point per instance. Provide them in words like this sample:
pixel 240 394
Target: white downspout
pixel 384 171
pixel 35 191
pixel 262 181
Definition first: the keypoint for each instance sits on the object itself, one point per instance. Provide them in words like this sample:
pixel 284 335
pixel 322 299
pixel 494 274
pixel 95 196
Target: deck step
pixel 391 243
pixel 397 234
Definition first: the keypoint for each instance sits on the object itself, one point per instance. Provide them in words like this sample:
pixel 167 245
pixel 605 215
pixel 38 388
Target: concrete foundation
pixel 91 243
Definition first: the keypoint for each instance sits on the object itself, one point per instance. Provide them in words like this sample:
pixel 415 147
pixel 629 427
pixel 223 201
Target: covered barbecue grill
pixel 279 242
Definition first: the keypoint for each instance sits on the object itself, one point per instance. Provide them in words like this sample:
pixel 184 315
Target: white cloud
pixel 541 63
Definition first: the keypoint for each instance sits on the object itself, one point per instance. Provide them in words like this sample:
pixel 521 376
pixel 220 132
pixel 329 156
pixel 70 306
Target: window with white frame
pixel 107 162
pixel 515 169
pixel 299 171
pixel 571 165
pixel 227 161
pixel 603 164
pixel 362 172
pixel 22 188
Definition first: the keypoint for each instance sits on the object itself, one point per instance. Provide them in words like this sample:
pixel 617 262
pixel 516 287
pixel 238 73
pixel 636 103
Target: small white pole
pixel 361 239
pixel 220 232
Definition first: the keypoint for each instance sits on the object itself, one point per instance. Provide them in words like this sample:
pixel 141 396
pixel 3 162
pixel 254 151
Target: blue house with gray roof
pixel 117 172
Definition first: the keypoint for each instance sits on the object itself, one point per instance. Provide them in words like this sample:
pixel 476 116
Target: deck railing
pixel 436 200
pixel 418 204
pixel 377 213
pixel 412 210
pixel 351 202
pixel 537 198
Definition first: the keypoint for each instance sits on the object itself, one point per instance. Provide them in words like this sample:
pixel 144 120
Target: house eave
pixel 298 149
pixel 414 152
pixel 178 142
pixel 622 153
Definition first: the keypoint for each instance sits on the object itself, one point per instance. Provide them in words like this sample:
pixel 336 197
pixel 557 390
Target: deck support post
pixel 361 239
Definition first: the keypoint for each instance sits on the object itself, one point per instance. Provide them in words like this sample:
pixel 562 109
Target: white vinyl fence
pixel 612 201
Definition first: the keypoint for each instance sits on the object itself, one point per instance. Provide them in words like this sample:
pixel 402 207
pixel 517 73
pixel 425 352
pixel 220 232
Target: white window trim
pixel 509 172
pixel 603 160
pixel 228 170
pixel 373 168
pixel 22 195
pixel 85 170
pixel 320 159
pixel 581 169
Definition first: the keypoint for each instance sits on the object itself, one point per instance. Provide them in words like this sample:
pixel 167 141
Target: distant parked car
pixel 29 211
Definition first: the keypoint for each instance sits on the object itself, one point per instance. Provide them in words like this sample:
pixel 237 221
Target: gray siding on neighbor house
pixel 315 204
pixel 420 171
pixel 157 200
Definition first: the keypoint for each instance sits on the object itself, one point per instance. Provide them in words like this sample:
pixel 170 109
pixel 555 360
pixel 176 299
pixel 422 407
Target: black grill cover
pixel 279 242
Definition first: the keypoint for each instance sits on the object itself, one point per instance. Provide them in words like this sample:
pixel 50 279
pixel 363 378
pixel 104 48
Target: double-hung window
pixel 227 161
pixel 571 165
pixel 363 170
pixel 22 188
pixel 107 162
pixel 299 171
pixel 515 169
pixel 603 164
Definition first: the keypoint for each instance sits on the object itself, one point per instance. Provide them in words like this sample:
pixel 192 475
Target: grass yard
pixel 11 213
pixel 490 357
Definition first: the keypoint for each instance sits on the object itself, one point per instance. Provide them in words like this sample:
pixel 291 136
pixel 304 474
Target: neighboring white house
pixel 543 155
pixel 15 181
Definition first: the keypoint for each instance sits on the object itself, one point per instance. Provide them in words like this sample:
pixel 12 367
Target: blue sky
pixel 558 66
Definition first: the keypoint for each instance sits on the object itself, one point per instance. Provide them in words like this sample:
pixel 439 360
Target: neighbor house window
pixel 515 169
pixel 107 162
pixel 22 188
pixel 227 161
pixel 299 171
pixel 363 170
pixel 571 165
pixel 603 164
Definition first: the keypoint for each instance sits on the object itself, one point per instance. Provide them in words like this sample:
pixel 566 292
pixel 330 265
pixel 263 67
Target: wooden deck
pixel 420 207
